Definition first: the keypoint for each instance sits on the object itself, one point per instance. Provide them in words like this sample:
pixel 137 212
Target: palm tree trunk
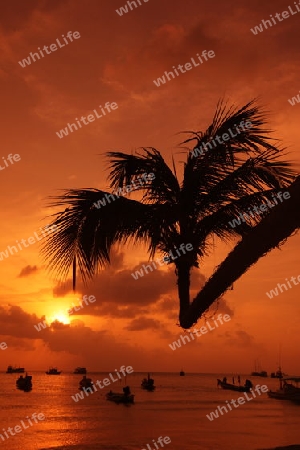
pixel 277 226
pixel 74 273
pixel 183 283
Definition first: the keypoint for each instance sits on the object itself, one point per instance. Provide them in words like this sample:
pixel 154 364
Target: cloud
pixel 14 321
pixel 77 339
pixel 220 306
pixel 16 343
pixel 240 339
pixel 167 306
pixel 118 293
pixel 27 270
pixel 143 323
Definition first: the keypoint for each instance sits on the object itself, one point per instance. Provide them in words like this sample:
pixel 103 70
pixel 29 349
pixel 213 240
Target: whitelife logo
pixel 165 260
pixel 53 48
pixel 125 190
pixel 108 106
pixel 31 240
pixel 85 299
pixel 241 401
pixel 202 330
pixel 124 9
pixel 105 381
pixel 262 208
pixel 187 66
pixel 221 139
pixel 11 158
pixel 274 293
pixel 294 100
pixel 17 428
pixel 268 23
pixel 160 440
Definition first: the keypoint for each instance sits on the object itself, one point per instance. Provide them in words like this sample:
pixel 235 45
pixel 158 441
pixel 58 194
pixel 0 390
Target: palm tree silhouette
pixel 218 185
pixel 272 231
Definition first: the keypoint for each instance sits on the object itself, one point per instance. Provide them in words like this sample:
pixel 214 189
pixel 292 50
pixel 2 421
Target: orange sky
pixel 116 59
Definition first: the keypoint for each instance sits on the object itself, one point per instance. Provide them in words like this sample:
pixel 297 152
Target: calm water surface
pixel 176 409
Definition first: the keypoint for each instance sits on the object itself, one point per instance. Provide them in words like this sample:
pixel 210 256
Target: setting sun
pixel 60 317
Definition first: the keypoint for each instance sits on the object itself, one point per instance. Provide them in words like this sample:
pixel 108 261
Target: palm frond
pixel 86 234
pixel 226 180
pixel 126 169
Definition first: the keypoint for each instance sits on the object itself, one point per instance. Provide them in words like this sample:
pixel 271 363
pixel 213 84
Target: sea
pixel 178 408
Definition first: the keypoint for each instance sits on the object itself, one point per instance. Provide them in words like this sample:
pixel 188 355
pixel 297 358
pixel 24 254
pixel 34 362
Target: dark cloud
pixel 19 344
pixel 118 312
pixel 15 16
pixel 116 259
pixel 28 270
pixel 220 306
pixel 14 321
pixel 118 294
pixel 244 338
pixel 17 330
pixel 240 339
pixel 143 323
pixel 168 307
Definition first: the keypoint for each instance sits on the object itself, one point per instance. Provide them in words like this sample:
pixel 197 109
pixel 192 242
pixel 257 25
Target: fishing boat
pixel 181 373
pixel 257 370
pixel 86 383
pixel 288 390
pixel 262 373
pixel 148 384
pixel 80 371
pixel 24 383
pixel 232 387
pixel 125 397
pixel 11 369
pixel 278 374
pixel 53 371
